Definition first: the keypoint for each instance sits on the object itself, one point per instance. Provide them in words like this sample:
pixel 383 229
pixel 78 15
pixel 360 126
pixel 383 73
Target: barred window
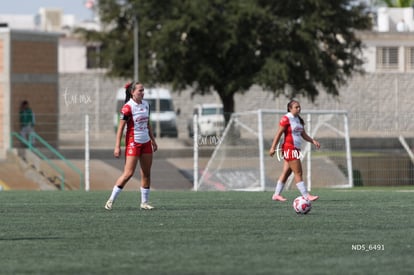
pixel 387 58
pixel 93 60
pixel 409 59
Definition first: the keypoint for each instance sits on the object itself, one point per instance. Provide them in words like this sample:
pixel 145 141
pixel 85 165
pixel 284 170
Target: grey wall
pixel 379 105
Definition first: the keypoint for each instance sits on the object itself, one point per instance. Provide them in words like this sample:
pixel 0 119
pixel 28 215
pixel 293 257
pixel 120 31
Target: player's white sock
pixel 302 188
pixel 279 187
pixel 144 194
pixel 115 192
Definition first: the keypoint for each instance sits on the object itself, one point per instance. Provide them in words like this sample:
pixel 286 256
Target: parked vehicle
pixel 210 120
pixel 162 114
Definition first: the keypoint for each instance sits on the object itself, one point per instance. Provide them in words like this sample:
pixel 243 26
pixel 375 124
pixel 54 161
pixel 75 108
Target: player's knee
pixel 127 175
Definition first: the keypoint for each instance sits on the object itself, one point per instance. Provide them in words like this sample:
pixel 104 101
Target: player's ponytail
pixel 128 89
pixel 301 120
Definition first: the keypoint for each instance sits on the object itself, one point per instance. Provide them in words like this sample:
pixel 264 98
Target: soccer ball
pixel 302 205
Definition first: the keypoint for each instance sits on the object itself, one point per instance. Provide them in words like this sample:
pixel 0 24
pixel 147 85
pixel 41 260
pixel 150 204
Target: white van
pixel 210 119
pixel 162 115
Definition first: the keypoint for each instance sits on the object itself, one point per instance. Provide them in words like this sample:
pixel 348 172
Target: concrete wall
pixel 379 105
pixel 87 93
pixel 72 55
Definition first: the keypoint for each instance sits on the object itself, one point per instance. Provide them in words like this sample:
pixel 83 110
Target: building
pixel 390 46
pixel 28 71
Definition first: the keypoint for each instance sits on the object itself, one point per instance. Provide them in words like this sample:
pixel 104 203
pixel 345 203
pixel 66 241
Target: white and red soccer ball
pixel 301 205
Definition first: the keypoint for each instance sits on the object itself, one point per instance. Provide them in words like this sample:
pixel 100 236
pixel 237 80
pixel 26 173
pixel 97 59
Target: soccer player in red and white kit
pixel 292 127
pixel 139 141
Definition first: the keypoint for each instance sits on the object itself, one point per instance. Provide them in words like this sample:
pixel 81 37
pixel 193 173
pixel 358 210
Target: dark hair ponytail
pixel 129 87
pixel 301 120
pixel 289 105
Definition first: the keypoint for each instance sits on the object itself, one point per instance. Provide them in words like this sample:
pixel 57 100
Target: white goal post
pixel 240 159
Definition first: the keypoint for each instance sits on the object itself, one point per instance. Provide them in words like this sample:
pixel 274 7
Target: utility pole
pixel 136 47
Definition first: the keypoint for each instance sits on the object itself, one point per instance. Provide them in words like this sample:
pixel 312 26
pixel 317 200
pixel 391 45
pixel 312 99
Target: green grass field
pixel 353 231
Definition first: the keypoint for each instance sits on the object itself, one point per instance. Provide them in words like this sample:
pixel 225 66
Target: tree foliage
pixel 398 3
pixel 227 46
pixel 318 46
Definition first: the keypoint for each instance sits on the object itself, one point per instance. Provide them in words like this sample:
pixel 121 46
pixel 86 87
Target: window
pixel 93 57
pixel 165 105
pixel 387 58
pixel 212 111
pixel 409 59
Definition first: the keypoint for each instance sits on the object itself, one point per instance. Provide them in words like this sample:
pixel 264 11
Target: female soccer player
pixel 139 143
pixel 292 127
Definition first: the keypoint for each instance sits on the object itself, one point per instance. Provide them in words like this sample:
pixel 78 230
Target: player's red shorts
pixel 134 149
pixel 291 154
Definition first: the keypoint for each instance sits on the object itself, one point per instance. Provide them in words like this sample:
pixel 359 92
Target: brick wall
pixel 42 99
pixel 34 77
pixel 34 56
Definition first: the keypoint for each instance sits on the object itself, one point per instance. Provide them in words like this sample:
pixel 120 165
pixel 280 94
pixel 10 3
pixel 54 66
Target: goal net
pixel 240 159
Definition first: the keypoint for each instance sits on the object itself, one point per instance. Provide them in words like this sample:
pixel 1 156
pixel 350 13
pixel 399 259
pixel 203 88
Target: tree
pixel 227 46
pixel 398 3
pixel 318 47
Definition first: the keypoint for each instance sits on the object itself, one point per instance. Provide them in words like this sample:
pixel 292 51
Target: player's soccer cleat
pixel 108 205
pixel 276 197
pixel 146 206
pixel 312 198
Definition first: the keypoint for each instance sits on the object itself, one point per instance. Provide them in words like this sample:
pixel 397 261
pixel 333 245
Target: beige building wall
pixel 4 93
pixel 1 92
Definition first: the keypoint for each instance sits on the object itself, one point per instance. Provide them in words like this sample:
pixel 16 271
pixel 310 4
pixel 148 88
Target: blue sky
pixel 76 7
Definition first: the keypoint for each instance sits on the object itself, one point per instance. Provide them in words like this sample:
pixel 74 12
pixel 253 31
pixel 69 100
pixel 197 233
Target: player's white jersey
pixel 293 132
pixel 137 117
